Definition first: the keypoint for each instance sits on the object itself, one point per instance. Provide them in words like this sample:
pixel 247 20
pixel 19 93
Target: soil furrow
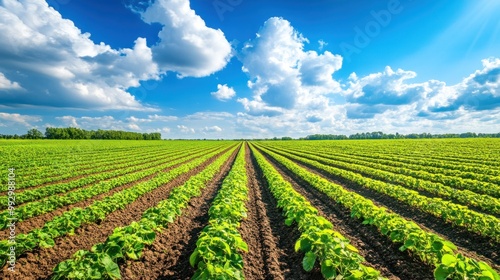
pixel 469 244
pixel 93 183
pixel 290 262
pixel 38 221
pixel 39 263
pixel 66 180
pixel 262 260
pixel 168 257
pixel 380 252
pixel 420 191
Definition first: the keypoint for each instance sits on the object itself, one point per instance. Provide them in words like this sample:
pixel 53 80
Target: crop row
pixel 486 203
pixel 429 247
pixel 442 175
pixel 406 154
pixel 54 202
pixel 86 167
pixel 51 190
pixel 318 240
pixel 101 262
pixel 97 211
pixel 217 249
pixel 486 225
pixel 99 174
pixel 489 188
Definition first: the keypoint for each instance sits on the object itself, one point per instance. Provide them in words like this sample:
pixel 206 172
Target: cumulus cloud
pixel 388 90
pixel 187 46
pixel 211 129
pixel 478 92
pixel 94 123
pixel 152 118
pixel 386 87
pixel 224 92
pixel 19 119
pixel 133 126
pixel 68 121
pixel 282 73
pixel 7 84
pixel 59 66
pixel 185 129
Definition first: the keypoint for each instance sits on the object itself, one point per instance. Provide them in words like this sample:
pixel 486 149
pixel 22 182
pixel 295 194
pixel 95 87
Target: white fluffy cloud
pixel 133 126
pixel 7 84
pixel 185 129
pixel 152 118
pixel 211 129
pixel 18 119
pixel 94 123
pixel 187 46
pixel 60 66
pixel 224 93
pixel 68 121
pixel 282 74
pixel 478 92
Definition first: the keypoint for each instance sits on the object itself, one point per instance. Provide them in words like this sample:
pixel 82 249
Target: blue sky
pixel 240 68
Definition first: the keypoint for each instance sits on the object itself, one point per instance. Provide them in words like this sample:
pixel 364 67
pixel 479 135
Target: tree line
pixel 77 133
pixel 381 135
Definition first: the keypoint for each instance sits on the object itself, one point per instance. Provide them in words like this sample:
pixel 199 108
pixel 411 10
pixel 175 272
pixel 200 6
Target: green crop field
pixel 350 209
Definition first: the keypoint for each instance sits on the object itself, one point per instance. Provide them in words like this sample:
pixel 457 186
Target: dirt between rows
pixel 39 263
pixel 271 242
pixel 379 251
pixel 168 257
pixel 67 180
pixel 264 254
pixel 420 191
pixel 470 244
pixel 38 221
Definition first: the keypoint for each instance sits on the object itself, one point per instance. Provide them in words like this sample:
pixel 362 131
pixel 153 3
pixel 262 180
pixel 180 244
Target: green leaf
pixel 437 245
pixel 352 248
pixel 47 243
pixel 309 261
pixel 328 270
pixel 487 275
pixel 409 243
pixel 297 245
pixel 305 245
pixel 114 252
pixel 441 273
pixel 111 267
pixel 448 260
pixel 193 259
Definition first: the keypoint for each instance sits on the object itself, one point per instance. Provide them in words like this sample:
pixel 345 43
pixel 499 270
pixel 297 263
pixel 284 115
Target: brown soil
pixel 421 192
pixel 82 176
pixel 39 263
pixel 469 244
pixel 38 221
pixel 262 261
pixel 290 262
pixel 379 251
pixel 168 257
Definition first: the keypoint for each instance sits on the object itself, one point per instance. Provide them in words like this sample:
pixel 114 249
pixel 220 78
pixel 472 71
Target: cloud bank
pixel 49 62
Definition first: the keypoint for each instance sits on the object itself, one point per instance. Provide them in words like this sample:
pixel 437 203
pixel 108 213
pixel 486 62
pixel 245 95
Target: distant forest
pixel 381 135
pixel 77 133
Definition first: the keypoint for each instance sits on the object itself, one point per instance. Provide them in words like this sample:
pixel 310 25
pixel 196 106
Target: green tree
pixel 34 134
